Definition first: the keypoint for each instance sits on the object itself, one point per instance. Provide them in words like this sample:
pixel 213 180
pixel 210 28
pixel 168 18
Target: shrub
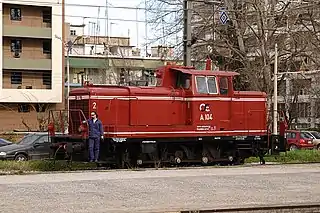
pixel 45 165
pixel 298 156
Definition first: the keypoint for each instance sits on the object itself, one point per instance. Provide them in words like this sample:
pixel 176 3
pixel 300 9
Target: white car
pixel 316 138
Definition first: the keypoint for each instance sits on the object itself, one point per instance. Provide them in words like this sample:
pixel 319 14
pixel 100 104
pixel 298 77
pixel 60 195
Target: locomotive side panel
pixel 111 104
pixel 255 112
pixel 249 112
pixel 111 111
pixel 238 118
pixel 156 107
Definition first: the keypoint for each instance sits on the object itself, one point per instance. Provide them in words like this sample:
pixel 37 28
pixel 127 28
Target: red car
pixel 297 139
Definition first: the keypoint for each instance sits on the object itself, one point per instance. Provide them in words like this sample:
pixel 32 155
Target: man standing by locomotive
pixel 95 134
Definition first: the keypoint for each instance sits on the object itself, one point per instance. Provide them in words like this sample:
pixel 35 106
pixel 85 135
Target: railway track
pixel 300 208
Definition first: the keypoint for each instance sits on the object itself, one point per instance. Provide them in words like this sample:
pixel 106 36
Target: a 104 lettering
pixel 206 117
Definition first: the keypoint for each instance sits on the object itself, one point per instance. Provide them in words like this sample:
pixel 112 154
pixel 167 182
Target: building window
pixel 317 109
pixel 46 46
pixel 304 110
pixel 15 14
pixel 23 108
pixel 72 32
pixel 46 16
pixel 16 78
pixel 300 86
pixel 16 45
pixel 46 79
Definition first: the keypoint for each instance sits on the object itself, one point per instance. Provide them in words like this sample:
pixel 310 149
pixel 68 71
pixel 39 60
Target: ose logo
pixel 206 116
pixel 204 107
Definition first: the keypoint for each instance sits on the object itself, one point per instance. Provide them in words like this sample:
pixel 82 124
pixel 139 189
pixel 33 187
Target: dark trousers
pixel 94 148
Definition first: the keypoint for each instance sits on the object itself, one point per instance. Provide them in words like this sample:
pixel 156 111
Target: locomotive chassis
pixel 132 152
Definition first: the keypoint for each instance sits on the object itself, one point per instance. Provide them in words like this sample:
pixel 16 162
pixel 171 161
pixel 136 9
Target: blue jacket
pixel 95 129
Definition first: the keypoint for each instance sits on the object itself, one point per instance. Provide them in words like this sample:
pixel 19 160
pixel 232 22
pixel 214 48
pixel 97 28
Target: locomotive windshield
pixel 206 85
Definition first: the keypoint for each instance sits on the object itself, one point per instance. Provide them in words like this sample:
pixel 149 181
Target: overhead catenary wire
pixel 91 5
pixel 127 7
pixel 304 5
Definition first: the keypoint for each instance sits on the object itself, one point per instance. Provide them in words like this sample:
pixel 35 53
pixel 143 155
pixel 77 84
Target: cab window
pixel 223 85
pixel 183 80
pixel 206 85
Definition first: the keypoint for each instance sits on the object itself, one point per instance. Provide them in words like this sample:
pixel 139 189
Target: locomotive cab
pixel 193 82
pixel 206 95
pixel 198 81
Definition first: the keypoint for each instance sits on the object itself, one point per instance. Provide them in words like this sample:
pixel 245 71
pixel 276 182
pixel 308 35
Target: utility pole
pixel 69 47
pixel 275 92
pixel 146 26
pixel 107 26
pixel 187 6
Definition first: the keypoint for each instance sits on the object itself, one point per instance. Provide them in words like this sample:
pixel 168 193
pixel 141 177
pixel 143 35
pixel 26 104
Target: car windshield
pixel 316 135
pixel 306 135
pixel 4 141
pixel 28 139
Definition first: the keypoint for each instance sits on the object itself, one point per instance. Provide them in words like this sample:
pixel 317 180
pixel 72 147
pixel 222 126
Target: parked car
pixel 297 139
pixel 4 142
pixel 316 138
pixel 31 146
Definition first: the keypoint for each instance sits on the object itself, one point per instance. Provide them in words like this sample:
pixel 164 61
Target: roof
pixel 206 72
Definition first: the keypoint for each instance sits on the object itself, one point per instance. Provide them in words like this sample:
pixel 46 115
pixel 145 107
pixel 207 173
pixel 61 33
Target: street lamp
pixel 69 45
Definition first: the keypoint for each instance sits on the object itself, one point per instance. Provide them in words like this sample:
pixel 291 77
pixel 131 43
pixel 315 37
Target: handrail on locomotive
pixel 77 125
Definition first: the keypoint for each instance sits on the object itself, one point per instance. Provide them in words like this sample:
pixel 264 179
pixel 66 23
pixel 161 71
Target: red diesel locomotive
pixel 189 116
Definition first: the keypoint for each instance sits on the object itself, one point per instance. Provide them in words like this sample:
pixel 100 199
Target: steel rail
pixel 303 208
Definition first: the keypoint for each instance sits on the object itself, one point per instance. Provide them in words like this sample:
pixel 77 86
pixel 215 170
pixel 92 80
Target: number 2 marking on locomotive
pixel 94 105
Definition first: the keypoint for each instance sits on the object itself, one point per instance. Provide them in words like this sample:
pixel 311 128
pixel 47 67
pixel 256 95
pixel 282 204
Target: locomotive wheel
pixel 178 157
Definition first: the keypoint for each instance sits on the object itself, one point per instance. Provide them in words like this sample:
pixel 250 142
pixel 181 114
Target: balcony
pixel 26 22
pixel 29 54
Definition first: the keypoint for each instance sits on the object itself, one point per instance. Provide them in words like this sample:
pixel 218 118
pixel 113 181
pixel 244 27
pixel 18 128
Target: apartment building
pixel 298 93
pixel 110 60
pixel 31 68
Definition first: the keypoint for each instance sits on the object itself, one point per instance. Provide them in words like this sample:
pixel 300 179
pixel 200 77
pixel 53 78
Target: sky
pixel 77 11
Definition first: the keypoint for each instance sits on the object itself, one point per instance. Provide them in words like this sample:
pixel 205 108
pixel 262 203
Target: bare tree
pixel 246 42
pixel 39 113
pixel 166 23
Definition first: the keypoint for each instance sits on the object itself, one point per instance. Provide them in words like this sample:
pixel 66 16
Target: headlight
pixel 3 154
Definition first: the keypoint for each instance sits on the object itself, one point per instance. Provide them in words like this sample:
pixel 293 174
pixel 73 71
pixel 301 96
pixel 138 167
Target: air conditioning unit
pixel 16 54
